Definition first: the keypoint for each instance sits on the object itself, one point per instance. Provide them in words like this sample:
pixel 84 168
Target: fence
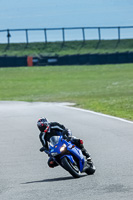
pixel 83 29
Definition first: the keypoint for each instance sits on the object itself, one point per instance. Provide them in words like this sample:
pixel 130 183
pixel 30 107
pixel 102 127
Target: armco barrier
pixel 86 59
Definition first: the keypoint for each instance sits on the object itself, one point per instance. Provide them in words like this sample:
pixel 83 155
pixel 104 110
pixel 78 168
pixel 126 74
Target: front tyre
pixel 70 167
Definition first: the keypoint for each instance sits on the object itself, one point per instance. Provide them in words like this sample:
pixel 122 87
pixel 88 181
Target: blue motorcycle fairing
pixel 71 148
pixel 69 157
pixel 77 153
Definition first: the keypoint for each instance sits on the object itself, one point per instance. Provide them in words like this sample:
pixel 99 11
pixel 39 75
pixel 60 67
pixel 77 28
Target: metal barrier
pixel 45 30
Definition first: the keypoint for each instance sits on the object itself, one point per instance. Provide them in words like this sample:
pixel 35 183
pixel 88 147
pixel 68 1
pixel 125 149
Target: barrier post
pixel 8 37
pixel 45 34
pixel 63 34
pixel 119 37
pixel 27 40
pixel 83 32
pixel 99 33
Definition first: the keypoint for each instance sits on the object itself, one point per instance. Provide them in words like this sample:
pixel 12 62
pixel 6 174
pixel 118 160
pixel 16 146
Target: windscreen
pixel 54 140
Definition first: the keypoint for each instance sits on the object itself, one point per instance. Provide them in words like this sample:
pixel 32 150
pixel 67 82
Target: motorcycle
pixel 69 156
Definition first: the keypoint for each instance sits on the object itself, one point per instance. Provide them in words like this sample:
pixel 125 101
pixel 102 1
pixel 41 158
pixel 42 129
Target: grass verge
pixel 102 88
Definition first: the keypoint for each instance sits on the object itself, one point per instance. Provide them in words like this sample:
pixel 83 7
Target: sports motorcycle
pixel 69 156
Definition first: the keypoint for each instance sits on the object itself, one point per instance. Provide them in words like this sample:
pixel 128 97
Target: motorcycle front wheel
pixel 70 167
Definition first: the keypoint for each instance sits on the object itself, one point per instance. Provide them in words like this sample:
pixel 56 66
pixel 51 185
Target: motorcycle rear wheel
pixel 70 167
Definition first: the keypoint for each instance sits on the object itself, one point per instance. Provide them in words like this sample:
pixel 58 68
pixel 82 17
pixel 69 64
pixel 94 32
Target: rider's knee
pixel 78 142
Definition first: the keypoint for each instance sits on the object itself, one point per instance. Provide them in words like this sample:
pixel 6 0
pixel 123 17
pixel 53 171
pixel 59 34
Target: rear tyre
pixel 70 167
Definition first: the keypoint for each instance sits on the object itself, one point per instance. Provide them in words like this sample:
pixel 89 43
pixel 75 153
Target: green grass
pixel 68 48
pixel 103 88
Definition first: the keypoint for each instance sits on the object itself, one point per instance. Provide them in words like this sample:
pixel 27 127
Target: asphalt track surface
pixel 24 174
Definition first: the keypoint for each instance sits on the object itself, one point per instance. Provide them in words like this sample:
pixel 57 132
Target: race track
pixel 24 174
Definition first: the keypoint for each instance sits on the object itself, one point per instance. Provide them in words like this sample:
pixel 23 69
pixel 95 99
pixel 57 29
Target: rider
pixel 49 129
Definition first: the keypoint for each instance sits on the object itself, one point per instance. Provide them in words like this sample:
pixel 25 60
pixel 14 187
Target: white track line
pixel 69 105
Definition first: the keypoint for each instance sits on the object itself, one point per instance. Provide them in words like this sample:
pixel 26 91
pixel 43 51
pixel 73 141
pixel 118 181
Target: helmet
pixel 43 124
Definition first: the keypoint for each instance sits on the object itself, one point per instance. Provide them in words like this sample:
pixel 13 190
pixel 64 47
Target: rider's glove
pixel 42 149
pixel 45 150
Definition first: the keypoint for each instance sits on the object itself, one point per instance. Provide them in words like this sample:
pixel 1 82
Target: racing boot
pixel 88 158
